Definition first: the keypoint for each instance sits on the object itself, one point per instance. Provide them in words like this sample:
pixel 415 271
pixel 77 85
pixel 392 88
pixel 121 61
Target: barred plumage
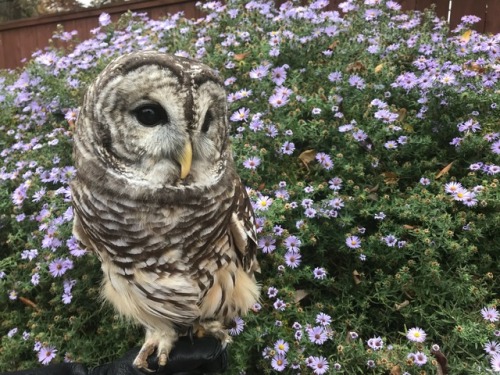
pixel 157 197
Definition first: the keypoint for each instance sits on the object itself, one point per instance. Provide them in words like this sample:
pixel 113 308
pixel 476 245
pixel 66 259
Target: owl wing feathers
pixel 243 231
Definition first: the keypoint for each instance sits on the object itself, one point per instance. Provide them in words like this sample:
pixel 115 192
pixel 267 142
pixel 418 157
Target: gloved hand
pixel 201 356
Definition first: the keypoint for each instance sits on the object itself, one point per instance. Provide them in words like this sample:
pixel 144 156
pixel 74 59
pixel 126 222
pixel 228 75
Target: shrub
pixel 369 140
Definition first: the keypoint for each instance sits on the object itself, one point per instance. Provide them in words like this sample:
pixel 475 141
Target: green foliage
pixel 385 111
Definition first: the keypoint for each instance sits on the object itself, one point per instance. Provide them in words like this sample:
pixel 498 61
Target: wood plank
pixel 492 20
pixel 441 6
pixel 465 8
pixel 408 4
pixel 135 5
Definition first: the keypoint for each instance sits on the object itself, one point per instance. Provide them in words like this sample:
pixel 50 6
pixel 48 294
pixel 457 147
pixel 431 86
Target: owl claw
pixel 161 342
pixel 216 329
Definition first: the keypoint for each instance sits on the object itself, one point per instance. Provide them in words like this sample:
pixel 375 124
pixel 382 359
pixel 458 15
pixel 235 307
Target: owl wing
pixel 243 231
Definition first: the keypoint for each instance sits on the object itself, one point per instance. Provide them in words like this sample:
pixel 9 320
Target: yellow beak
pixel 186 159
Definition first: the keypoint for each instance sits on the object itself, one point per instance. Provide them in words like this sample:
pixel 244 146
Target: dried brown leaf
pixel 466 36
pixel 356 277
pixel 240 56
pixel 390 178
pixel 300 295
pixel 399 306
pixel 307 156
pixel 444 170
pixel 29 303
pixel 332 46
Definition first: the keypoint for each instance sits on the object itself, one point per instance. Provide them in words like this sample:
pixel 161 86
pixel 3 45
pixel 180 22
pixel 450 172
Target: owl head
pixel 155 120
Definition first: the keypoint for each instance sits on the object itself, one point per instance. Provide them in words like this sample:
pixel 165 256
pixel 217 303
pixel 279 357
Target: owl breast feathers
pixel 157 198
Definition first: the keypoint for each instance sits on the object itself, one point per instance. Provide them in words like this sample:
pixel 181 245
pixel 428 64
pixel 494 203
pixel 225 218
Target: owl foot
pixel 216 329
pixel 161 342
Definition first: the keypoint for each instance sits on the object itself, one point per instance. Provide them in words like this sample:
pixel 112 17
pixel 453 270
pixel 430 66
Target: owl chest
pixel 151 236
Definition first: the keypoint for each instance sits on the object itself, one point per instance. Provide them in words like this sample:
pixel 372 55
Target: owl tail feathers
pixel 246 291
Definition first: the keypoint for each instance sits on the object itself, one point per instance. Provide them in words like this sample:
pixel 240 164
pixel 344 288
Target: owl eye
pixel 151 115
pixel 209 117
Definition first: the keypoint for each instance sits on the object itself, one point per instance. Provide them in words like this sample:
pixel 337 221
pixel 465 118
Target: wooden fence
pixel 19 39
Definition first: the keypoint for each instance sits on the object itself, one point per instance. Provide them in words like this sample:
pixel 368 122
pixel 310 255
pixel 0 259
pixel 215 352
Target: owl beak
pixel 186 159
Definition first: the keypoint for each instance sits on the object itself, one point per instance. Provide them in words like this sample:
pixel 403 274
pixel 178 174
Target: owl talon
pixel 141 361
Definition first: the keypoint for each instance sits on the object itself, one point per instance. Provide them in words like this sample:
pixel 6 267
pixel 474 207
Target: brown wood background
pixel 19 39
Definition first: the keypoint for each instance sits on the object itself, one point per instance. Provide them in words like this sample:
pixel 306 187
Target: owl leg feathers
pixel 161 342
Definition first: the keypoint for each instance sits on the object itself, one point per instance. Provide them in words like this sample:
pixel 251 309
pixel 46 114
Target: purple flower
pixel 317 335
pixel 418 358
pixel 390 240
pixel 19 195
pixel 281 346
pixel 323 319
pixel 452 187
pixel 12 332
pixel 490 314
pixel 282 194
pixel 336 203
pixel 252 163
pixel 425 181
pixel 310 212
pixel 319 273
pixel 29 254
pixel 406 81
pixel 279 362
pixel 416 334
pixel 495 362
pixel 58 267
pixel 469 125
pixel 391 145
pixel 272 292
pixel 278 75
pixel 335 183
pixel 259 72
pixel 267 244
pixel 357 81
pixel 292 243
pixel 325 160
pixel 74 247
pixel 240 115
pixel 353 242
pixel 278 100
pixel 376 343
pixel 237 326
pixel 292 259
pixel 386 116
pixel 104 19
pixel 319 365
pixel 495 147
pixel 35 279
pixel 335 77
pixel 263 203
pixel 279 305
pixel 46 354
pixel 492 347
pixel 288 148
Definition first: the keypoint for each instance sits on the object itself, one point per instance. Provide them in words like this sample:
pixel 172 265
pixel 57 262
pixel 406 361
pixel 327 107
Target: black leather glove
pixel 201 356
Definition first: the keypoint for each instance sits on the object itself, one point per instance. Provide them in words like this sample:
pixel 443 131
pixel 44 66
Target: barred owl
pixel 158 199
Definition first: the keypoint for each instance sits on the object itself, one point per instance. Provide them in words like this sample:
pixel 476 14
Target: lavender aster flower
pixel 490 314
pixel 416 334
pixel 46 354
pixel 353 242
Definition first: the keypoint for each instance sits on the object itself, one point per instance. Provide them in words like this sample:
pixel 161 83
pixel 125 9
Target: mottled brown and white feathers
pixel 157 197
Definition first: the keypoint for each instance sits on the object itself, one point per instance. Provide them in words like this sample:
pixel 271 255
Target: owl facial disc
pixel 186 159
